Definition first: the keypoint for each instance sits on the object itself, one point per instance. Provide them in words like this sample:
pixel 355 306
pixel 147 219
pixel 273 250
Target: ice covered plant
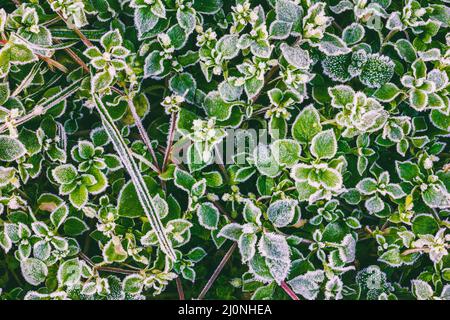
pixel 160 149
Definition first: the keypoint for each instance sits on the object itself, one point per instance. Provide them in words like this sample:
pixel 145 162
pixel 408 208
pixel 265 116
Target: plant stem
pixel 173 121
pixel 106 269
pixel 46 105
pixel 130 165
pixel 288 290
pixel 220 164
pixel 388 37
pixel 216 272
pixel 180 288
pixel 142 132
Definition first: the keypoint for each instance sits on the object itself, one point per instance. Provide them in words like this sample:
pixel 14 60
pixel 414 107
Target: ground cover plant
pixel 116 181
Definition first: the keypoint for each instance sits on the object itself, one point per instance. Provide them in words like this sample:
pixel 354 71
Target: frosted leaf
pixel 308 285
pixel 394 22
pixel 5 242
pixel 395 191
pixel 374 204
pixel 153 64
pixel 69 272
pixel 280 30
pixel 377 70
pixel 228 46
pixel 307 124
pixel 336 67
pixel 208 215
pixel 296 56
pixel 332 45
pixel 289 11
pixel 286 151
pixel 281 212
pixel 347 249
pixel 228 92
pixel 353 33
pixel 341 96
pixel 161 206
pixel 64 174
pixel 367 186
pixel 231 231
pixel 342 6
pixel 333 288
pixel 324 145
pixel 247 246
pixel 265 162
pixel 371 278
pixel 33 270
pixel 133 284
pixel 422 290
pixel 279 269
pixel 11 149
pixel 113 251
pixel 144 21
pixel 252 213
pixel 216 107
pixel 178 231
pixel 274 246
pixel 430 55
pixel 439 78
pixel 445 294
pixel 392 258
pixel 405 50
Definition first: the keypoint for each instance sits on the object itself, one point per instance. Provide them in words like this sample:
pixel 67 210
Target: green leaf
pixel 133 284
pixel 392 258
pixel 281 212
pixel 196 254
pixel 183 180
pixel 69 272
pixel 113 251
pixel 79 197
pixel 207 6
pixel 10 148
pixel 265 162
pixel 111 39
pixel 65 174
pixel 286 152
pixel 128 202
pixel 216 107
pixel 353 33
pixel 34 271
pixel 425 224
pixel 183 84
pixel 341 96
pixel 324 145
pixel 74 226
pixel 306 125
pixel 21 54
pixel 208 215
pixel 418 99
pixel 144 20
pixel 387 92
pixel 407 171
pixel 405 50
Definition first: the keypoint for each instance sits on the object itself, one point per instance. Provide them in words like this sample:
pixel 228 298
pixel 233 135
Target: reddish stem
pixel 180 288
pixel 288 290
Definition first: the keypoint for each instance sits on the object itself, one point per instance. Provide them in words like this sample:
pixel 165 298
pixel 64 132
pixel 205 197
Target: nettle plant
pixel 117 179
